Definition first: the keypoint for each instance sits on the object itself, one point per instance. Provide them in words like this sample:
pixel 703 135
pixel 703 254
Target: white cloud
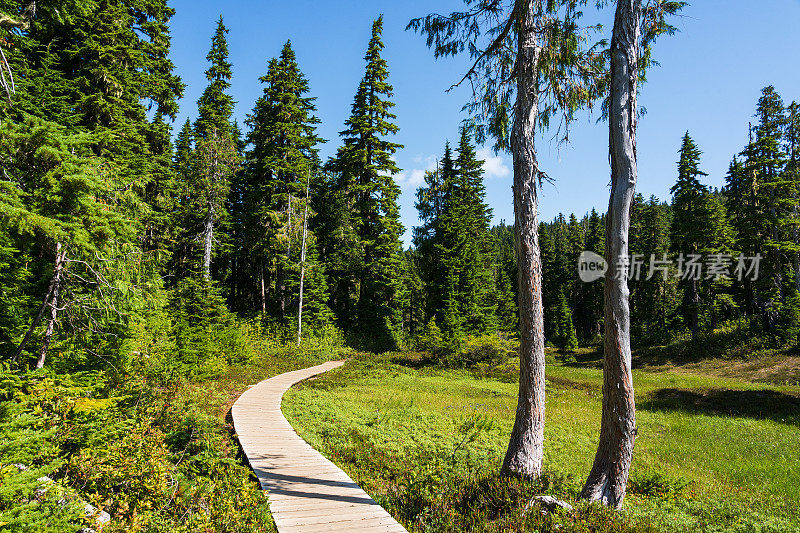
pixel 414 178
pixel 494 166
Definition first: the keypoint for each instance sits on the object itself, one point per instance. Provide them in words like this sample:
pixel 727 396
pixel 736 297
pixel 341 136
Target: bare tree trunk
pixel 263 292
pixel 526 445
pixel 796 264
pixel 609 476
pixel 776 253
pixel 694 308
pixel 208 241
pixel 303 266
pixel 61 255
pixel 281 274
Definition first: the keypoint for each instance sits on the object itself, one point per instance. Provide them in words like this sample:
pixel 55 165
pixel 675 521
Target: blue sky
pixel 708 83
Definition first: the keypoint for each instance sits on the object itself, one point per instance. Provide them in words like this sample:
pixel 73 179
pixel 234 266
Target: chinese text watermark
pixel 693 267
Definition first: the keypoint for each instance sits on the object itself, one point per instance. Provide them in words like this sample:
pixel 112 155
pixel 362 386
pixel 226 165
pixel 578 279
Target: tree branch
pixel 492 47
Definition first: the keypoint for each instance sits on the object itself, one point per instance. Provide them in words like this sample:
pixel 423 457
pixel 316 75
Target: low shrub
pixel 488 350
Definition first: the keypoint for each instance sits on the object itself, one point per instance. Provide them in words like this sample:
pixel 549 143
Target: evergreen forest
pixel 151 270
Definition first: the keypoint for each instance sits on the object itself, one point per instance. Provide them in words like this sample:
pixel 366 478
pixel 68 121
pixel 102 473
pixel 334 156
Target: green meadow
pixel 712 453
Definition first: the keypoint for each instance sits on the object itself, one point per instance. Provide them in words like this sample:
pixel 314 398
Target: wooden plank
pixel 306 491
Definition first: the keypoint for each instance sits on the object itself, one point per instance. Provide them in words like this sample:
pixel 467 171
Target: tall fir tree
pixel 215 106
pixel 214 160
pixel 366 170
pixel 654 291
pixel 792 171
pixel 281 161
pixel 766 162
pixel 471 215
pixel 182 165
pixel 690 224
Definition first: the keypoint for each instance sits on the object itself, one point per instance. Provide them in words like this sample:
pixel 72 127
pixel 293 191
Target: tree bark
pixel 263 293
pixel 61 256
pixel 208 241
pixel 526 445
pixel 609 475
pixel 694 308
pixel 303 266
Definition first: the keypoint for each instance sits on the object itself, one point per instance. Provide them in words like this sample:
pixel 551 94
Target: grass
pixel 713 453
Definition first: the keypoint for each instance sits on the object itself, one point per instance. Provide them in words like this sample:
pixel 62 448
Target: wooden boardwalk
pixel 307 492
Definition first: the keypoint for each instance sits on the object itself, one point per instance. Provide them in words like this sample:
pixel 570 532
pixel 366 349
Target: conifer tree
pixel 690 223
pixel 792 134
pixel 412 295
pixel 766 162
pixel 118 54
pixel 282 158
pixel 743 211
pixel 721 244
pixel 505 303
pixel 366 167
pixel 63 197
pixel 471 216
pixel 215 106
pixel 455 244
pixel 564 331
pixel 338 243
pixel 215 156
pixel 183 216
pixel 429 238
pixel 593 294
pixel 654 292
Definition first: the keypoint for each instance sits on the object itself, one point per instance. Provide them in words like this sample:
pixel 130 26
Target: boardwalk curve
pixel 307 492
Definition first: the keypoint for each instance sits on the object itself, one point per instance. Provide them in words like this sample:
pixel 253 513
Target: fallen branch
pixel 548 504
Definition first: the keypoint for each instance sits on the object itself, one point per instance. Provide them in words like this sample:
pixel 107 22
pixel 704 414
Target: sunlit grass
pixel 400 430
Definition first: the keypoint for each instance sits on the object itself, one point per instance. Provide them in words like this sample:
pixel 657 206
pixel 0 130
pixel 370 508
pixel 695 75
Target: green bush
pixel 430 340
pixel 486 350
pixel 788 325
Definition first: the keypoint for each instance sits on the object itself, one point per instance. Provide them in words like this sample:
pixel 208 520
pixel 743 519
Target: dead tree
pixel 609 475
pixel 50 300
pixel 303 264
pixel 525 451
pixel 537 65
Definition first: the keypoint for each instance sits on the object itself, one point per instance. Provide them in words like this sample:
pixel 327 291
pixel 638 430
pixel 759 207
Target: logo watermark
pixel 592 267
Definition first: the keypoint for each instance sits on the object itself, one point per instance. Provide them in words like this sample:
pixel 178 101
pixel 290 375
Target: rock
pixel 101 518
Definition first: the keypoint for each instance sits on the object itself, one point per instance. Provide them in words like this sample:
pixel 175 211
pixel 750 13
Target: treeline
pixel 105 219
pixel 706 257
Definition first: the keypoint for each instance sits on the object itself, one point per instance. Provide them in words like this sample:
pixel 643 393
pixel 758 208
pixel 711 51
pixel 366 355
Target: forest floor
pixel 718 445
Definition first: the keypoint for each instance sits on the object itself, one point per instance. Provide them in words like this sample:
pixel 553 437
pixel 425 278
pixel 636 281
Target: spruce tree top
pixel 688 187
pixel 371 114
pixel 215 106
pixel 283 127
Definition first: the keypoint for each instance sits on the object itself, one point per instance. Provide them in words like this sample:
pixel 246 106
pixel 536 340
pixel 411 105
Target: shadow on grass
pixel 415 360
pixel 735 341
pixel 757 404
